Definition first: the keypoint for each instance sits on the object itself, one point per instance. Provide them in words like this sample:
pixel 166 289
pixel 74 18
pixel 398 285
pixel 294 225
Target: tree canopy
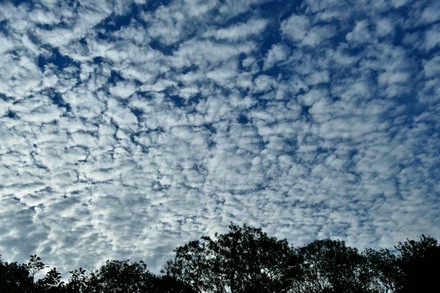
pixel 243 260
pixel 246 259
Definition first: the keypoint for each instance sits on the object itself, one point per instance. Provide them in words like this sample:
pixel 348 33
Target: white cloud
pixel 360 32
pixel 432 38
pixel 276 54
pixel 432 67
pixel 428 14
pixel 239 31
pixel 296 27
pixel 384 27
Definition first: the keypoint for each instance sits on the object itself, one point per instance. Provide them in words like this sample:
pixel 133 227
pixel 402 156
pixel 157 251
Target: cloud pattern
pixel 129 128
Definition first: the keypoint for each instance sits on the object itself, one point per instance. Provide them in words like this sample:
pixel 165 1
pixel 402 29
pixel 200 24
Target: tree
pixel 418 265
pixel 15 277
pixel 167 284
pixel 82 281
pixel 331 266
pixel 381 266
pixel 51 282
pixel 251 261
pixel 195 265
pixel 244 260
pixel 124 276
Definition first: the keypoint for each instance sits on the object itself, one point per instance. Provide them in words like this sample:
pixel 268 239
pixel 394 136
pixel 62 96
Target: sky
pixel 128 128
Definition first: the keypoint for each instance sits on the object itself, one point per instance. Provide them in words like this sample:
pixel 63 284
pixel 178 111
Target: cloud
pixel 296 27
pixel 130 128
pixel 432 39
pixel 276 54
pixel 239 31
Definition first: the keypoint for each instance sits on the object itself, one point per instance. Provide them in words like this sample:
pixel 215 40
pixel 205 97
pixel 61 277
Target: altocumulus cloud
pixel 129 128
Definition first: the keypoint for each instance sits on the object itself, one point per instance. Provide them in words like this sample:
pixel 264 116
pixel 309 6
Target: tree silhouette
pixel 331 266
pixel 192 264
pixel 381 265
pixel 82 281
pixel 167 284
pixel 50 283
pixel 124 276
pixel 15 277
pixel 244 260
pixel 418 266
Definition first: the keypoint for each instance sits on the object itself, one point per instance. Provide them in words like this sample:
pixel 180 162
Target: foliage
pixel 15 277
pixel 418 266
pixel 381 265
pixel 245 259
pixel 124 276
pixel 331 266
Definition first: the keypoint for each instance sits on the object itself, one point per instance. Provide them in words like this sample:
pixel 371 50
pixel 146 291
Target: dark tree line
pixel 248 260
pixel 114 276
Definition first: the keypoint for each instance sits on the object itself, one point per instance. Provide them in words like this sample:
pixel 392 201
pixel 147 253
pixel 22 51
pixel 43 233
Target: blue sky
pixel 129 128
